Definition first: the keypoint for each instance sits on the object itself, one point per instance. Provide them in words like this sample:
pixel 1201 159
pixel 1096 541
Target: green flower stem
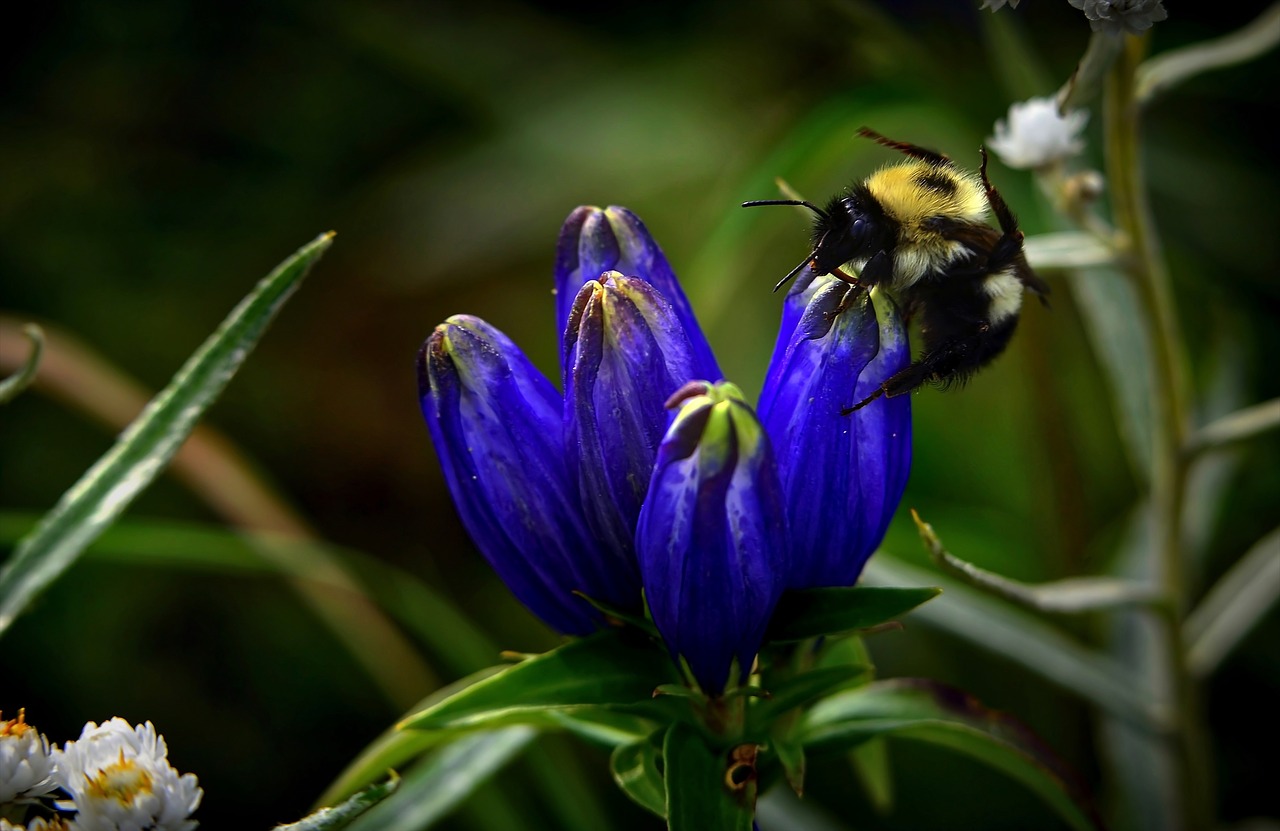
pixel 1145 265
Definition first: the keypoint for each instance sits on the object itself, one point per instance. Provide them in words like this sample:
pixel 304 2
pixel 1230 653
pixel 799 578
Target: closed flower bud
pixel 626 352
pixel 842 475
pixel 712 536
pixel 495 422
pixel 593 241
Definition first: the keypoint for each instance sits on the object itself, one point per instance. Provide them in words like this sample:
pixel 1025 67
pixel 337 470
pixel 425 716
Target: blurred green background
pixel 156 158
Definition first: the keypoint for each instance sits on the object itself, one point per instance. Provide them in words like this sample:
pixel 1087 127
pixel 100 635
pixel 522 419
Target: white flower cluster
pixel 1035 134
pixel 117 778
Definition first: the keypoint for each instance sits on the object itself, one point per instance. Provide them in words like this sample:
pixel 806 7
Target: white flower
pixel 38 824
pixel 26 764
pixel 120 779
pixel 1035 134
pixel 997 5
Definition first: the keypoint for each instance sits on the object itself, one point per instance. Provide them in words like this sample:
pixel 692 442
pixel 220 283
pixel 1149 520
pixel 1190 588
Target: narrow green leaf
pixel 340 816
pixel 1004 629
pixel 458 644
pixel 1070 596
pixel 611 667
pixel 929 712
pixel 554 769
pixel 396 748
pixel 697 795
pixel 1116 324
pixel 1241 425
pixel 812 613
pixel 603 727
pixel 1235 604
pixel 13 385
pixel 146 446
pixel 1174 66
pixel 436 786
pixel 801 689
pixel 1145 777
pixel 1067 249
pixel 791 756
pixel 635 769
pixel 870 762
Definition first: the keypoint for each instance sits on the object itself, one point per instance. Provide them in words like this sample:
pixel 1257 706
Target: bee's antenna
pixel 793 272
pixel 799 203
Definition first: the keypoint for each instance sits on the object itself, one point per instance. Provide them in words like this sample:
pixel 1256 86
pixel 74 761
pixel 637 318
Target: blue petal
pixel 712 538
pixel 843 475
pixel 593 241
pixel 626 352
pixel 496 425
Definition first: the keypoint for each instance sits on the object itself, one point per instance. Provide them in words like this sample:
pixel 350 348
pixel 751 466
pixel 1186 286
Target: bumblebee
pixel 919 230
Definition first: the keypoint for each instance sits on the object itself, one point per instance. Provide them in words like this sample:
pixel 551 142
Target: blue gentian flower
pixel 712 538
pixel 843 474
pixel 710 511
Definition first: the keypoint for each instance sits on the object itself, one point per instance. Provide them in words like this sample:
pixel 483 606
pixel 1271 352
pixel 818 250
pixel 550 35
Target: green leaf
pixel 1234 606
pixel 1067 249
pixel 13 385
pixel 1070 596
pixel 932 713
pixel 697 796
pixel 791 756
pixel 870 762
pixel 1174 66
pixel 606 668
pixel 602 727
pixel 812 613
pixel 436 786
pixel 1117 326
pixel 801 689
pixel 147 445
pixel 395 747
pixel 340 816
pixel 635 769
pixel 1004 629
pixel 457 643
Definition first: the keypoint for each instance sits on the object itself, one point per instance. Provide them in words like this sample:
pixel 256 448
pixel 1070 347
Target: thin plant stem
pixel 1145 265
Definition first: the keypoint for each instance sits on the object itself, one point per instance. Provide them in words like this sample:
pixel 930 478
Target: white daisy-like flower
pixel 38 824
pixel 1035 134
pixel 26 762
pixel 120 779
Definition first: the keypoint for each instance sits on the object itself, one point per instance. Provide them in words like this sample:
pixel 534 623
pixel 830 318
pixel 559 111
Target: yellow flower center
pixel 121 781
pixel 15 726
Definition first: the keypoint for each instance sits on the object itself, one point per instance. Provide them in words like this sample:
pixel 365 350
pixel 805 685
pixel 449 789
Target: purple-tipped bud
pixel 843 475
pixel 496 425
pixel 712 536
pixel 593 241
pixel 626 352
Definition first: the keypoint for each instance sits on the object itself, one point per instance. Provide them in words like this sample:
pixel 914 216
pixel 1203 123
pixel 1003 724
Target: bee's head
pixel 853 227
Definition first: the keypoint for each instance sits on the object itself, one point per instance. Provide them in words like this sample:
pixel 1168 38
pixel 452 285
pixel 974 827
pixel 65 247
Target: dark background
pixel 156 158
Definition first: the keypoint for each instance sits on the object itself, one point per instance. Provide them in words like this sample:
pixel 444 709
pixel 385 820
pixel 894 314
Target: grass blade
pixel 143 450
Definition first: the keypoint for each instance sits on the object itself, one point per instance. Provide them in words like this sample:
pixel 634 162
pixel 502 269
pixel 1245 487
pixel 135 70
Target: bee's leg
pixel 879 269
pixel 912 150
pixel 1009 246
pixel 947 362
